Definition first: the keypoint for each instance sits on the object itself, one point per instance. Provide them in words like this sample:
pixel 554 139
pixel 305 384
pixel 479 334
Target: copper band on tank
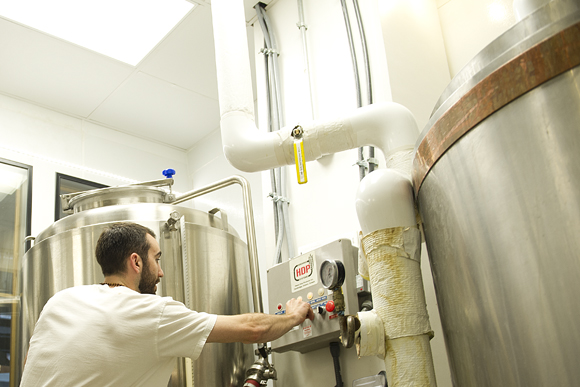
pixel 542 62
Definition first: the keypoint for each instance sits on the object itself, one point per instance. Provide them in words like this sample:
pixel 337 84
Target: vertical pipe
pixel 367 72
pixel 361 168
pixel 365 51
pixel 282 222
pixel 303 28
pixel 392 247
pixel 275 69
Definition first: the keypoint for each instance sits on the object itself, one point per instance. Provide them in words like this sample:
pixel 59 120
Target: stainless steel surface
pixel 114 196
pixel 63 256
pixel 501 217
pixel 224 216
pixel 137 212
pixel 554 17
pixel 218 266
pixel 250 228
pixel 133 193
pixel 348 327
pixel 542 55
pixel 284 285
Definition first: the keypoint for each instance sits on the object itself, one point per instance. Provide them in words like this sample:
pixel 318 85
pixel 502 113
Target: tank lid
pixel 131 194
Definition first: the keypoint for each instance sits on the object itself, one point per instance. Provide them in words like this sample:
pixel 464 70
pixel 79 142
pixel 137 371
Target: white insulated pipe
pixel 391 244
pixel 388 126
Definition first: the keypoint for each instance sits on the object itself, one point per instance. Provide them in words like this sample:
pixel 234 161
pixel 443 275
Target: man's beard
pixel 148 280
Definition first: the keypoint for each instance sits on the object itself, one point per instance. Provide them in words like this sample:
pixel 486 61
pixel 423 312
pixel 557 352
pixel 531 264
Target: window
pixel 15 210
pixel 69 184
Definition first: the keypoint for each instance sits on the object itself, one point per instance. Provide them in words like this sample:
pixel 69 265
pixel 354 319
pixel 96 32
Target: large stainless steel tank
pixel 497 175
pixel 205 264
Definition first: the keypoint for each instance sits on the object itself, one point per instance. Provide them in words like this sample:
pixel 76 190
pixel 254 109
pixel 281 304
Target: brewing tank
pixel 497 180
pixel 204 261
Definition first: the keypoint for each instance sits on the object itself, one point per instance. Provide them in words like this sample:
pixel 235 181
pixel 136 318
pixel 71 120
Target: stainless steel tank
pixel 497 179
pixel 205 263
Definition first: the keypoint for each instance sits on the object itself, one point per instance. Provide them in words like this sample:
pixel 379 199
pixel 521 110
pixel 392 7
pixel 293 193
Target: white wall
pixel 415 50
pixel 468 26
pixel 52 143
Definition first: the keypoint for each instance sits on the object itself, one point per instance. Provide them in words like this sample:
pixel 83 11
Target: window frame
pixel 59 178
pixel 28 220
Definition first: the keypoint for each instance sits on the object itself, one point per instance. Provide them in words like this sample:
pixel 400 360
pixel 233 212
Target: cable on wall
pixel 370 163
pixel 275 122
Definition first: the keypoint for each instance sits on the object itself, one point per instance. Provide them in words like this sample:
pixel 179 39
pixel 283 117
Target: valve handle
pixel 168 173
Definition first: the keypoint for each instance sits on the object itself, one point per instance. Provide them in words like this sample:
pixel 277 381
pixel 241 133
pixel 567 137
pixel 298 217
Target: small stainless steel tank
pixel 497 178
pixel 205 264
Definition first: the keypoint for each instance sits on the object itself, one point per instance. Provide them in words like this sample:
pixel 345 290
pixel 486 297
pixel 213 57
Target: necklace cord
pixel 111 284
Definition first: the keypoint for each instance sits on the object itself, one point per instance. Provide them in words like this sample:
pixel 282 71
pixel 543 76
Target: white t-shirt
pixel 98 336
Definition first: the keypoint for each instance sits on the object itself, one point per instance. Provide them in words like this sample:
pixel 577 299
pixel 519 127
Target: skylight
pixel 122 29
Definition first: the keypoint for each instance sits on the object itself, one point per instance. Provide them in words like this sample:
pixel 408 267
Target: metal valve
pixel 259 373
pixel 173 219
pixel 297 132
pixel 348 326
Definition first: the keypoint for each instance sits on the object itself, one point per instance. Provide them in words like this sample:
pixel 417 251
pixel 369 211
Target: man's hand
pixel 302 310
pixel 259 327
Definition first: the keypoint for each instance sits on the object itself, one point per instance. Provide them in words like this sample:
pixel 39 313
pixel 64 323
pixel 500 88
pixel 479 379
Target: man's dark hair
pixel 117 242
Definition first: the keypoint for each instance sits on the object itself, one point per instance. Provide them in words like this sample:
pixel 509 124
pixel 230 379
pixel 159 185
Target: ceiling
pixel 170 97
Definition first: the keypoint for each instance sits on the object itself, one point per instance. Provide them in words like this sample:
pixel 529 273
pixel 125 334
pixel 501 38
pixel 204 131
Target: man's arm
pixel 258 327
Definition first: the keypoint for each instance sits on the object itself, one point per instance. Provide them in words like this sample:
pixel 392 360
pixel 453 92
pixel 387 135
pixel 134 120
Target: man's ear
pixel 135 263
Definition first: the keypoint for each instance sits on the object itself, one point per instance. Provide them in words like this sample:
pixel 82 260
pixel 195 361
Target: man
pixel 119 333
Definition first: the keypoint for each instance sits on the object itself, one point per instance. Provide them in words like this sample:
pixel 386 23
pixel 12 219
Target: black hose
pixel 335 352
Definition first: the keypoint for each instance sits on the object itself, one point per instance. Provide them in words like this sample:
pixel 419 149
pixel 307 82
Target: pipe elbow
pixel 247 148
pixel 389 126
pixel 385 200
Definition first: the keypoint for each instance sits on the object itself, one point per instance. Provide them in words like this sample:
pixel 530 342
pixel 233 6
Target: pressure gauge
pixel 332 274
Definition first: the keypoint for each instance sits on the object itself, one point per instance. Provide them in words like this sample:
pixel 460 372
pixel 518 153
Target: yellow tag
pixel 300 162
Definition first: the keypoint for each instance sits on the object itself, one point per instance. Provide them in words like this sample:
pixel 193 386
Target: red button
pixel 279 306
pixel 330 306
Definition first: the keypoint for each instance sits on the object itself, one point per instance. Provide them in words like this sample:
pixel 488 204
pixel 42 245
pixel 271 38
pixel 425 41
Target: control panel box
pixel 300 277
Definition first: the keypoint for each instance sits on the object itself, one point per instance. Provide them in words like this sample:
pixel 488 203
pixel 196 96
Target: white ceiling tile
pixel 54 73
pixel 170 97
pixel 187 57
pixel 151 108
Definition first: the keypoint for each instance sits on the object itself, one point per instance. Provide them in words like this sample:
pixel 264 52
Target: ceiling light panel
pixel 126 30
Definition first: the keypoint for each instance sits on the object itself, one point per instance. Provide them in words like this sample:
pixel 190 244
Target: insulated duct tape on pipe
pixel 407 364
pixel 393 257
pixel 371 336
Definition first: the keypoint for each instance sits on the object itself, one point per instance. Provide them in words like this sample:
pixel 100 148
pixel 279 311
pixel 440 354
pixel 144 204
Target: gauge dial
pixel 332 274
